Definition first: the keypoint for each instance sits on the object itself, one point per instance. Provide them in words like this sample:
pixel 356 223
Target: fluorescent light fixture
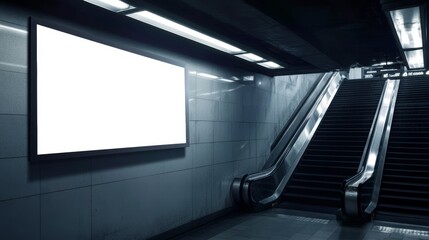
pixel 427 72
pixel 173 27
pixel 407 24
pixel 270 65
pixel 112 5
pixel 250 57
pixel 415 58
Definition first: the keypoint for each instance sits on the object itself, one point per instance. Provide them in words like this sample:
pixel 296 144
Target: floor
pixel 276 224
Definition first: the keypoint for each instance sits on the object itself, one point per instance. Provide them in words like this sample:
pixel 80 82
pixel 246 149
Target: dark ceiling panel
pixel 255 23
pixel 346 31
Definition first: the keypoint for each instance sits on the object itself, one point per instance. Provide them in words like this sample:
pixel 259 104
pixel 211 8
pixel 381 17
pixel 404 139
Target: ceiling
pixel 302 35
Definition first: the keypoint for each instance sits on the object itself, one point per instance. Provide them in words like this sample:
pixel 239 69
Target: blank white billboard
pixel 91 96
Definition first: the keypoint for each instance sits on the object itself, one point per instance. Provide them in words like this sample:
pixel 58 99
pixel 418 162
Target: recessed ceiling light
pixel 408 27
pixel 112 5
pixel 173 27
pixel 250 57
pixel 270 65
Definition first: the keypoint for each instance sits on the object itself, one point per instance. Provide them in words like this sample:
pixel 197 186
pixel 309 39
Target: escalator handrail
pixel 307 98
pixel 373 154
pixel 244 191
pixel 290 128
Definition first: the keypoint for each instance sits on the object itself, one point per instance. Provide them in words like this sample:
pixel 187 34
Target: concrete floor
pixel 276 224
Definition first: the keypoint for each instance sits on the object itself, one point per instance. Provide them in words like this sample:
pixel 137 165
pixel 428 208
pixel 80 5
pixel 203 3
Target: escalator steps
pixel 404 189
pixel 335 150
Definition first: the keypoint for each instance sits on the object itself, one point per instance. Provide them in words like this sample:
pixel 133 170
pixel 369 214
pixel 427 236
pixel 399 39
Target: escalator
pixel 404 191
pixel 335 151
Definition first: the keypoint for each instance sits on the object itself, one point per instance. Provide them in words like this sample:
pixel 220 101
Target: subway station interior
pixel 190 119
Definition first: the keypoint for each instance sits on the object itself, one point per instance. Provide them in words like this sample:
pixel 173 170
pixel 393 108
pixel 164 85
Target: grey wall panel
pixel 20 219
pixel 222 131
pixel 18 178
pixel 243 167
pixel 192 132
pixel 240 131
pixel 247 94
pixel 13 93
pixel 222 152
pixel 262 147
pixel 191 84
pixel 253 113
pixel 122 167
pixel 192 108
pixel 252 147
pixel 13 50
pixel 117 167
pixel 207 110
pixel 204 88
pixel 226 111
pixel 202 198
pixel 223 174
pixel 233 94
pixel 182 160
pixel 65 174
pixel 66 215
pixel 204 130
pixel 264 83
pixel 240 150
pixel 203 154
pixel 252 130
pixel 262 130
pixel 13 132
pixel 140 208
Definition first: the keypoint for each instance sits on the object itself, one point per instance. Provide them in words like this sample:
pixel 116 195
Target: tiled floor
pixel 276 224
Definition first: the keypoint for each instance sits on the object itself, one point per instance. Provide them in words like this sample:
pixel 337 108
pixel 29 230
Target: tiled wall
pixel 138 195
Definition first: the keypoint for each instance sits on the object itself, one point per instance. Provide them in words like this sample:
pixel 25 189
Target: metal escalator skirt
pixel 375 142
pixel 291 156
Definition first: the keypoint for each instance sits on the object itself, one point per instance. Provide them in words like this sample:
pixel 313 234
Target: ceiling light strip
pixel 112 5
pixel 250 57
pixel 270 65
pixel 178 29
pixel 408 26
